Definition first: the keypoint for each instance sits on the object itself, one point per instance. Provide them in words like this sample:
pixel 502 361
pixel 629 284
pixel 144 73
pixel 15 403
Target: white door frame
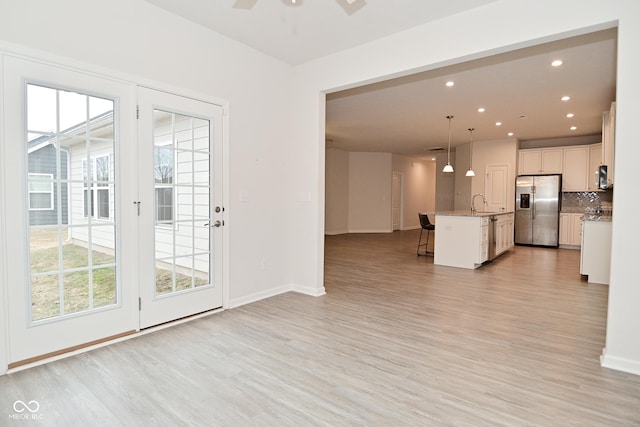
pixel 4 340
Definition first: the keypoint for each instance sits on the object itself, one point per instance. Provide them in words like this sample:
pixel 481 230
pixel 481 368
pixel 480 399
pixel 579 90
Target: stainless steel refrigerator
pixel 537 209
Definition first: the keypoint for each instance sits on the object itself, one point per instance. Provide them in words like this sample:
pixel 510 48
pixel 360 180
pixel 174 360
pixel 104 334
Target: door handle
pixel 218 223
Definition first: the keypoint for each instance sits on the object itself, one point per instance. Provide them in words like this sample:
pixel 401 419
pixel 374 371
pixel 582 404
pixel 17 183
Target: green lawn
pixel 45 290
pixel 47 260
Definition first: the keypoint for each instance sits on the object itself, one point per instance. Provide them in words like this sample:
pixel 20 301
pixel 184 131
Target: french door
pixel 69 147
pixel 113 224
pixel 180 205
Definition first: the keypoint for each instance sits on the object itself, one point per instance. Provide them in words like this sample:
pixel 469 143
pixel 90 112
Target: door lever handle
pixel 218 223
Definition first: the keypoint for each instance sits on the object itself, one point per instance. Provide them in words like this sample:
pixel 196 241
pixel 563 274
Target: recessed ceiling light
pixel 292 3
pixel 498 123
pixel 556 63
pixel 510 134
pixel 449 83
pixel 481 110
pixel 569 115
pixel 565 98
pixel 573 128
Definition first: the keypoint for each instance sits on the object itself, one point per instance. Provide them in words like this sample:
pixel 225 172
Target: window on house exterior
pixel 96 187
pixel 163 172
pixel 40 192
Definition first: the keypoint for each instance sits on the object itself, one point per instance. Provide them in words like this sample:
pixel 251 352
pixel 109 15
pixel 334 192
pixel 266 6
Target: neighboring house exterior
pixel 86 183
pixel 82 192
pixel 92 177
pixel 46 198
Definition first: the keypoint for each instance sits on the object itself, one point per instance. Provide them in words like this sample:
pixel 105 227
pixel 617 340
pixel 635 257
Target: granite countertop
pixel 596 217
pixel 468 213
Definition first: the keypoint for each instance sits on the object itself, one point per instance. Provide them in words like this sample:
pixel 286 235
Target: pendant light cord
pixel 449 146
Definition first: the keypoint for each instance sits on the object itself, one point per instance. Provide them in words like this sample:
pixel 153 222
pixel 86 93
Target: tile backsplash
pixel 586 201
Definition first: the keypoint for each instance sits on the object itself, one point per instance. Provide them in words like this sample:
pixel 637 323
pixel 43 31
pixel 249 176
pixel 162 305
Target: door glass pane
pixel 71 184
pixel 182 202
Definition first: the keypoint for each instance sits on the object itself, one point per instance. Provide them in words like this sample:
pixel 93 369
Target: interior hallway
pixel 396 341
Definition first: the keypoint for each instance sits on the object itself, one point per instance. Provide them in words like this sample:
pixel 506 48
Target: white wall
pixel 419 192
pixel 485 153
pixel 336 212
pixel 462 196
pixel 370 178
pixel 497 27
pixel 499 152
pixel 356 199
pixel 445 183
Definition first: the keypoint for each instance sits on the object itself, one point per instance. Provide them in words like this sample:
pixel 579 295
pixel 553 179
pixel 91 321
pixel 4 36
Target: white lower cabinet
pixel 595 257
pixel 504 233
pixel 571 229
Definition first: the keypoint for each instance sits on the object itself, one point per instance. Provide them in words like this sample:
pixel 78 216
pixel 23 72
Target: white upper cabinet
pixel 577 164
pixel 540 161
pixel 575 170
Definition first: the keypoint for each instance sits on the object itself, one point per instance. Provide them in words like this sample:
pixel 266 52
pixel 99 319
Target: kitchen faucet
pixel 473 201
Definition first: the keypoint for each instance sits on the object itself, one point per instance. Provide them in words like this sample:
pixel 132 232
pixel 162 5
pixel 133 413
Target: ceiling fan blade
pixel 351 6
pixel 244 4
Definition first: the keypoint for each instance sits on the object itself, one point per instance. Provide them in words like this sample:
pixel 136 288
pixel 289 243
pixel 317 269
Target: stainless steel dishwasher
pixel 492 237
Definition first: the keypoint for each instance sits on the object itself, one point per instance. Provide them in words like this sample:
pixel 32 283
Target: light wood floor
pixel 396 341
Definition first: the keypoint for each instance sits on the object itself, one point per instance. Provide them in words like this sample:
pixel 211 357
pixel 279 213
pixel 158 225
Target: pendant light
pixel 448 168
pixel 470 172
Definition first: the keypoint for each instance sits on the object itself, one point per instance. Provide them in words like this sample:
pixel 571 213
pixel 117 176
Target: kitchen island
pixel 467 239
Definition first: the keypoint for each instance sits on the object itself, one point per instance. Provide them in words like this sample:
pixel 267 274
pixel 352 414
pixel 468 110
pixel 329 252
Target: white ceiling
pixel 314 29
pixel 407 115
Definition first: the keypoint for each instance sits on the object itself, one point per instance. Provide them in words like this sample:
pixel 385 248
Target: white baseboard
pixel 414 227
pixel 335 232
pixel 619 363
pixel 572 247
pixel 248 299
pixel 306 290
pixel 338 232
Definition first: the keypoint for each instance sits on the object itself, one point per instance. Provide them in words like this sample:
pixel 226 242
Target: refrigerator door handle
pixel 533 204
pixel 533 210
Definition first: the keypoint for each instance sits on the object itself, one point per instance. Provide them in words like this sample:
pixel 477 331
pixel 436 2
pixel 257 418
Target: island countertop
pixel 596 217
pixel 468 213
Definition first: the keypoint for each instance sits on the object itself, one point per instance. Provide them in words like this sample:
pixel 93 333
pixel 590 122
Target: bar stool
pixel 425 224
